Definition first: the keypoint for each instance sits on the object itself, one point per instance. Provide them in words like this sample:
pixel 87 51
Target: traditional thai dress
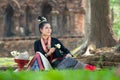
pixel 56 59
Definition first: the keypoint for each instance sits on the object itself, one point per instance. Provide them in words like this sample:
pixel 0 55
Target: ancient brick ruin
pixel 18 17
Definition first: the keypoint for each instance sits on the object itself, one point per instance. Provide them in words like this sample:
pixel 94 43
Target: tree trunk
pixel 87 18
pixel 101 33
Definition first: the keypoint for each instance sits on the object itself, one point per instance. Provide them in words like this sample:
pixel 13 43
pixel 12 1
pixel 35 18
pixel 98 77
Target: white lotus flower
pixel 58 46
pixel 14 53
pixel 23 56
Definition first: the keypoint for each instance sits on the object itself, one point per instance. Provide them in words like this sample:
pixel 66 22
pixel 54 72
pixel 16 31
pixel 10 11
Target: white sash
pixel 45 61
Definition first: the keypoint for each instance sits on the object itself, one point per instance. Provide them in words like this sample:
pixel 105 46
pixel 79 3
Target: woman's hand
pixel 68 56
pixel 52 50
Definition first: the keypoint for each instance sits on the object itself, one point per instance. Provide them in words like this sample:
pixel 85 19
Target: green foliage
pixel 114 2
pixel 59 75
pixel 115 5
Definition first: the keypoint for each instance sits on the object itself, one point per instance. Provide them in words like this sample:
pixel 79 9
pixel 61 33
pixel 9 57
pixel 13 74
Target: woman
pixel 58 56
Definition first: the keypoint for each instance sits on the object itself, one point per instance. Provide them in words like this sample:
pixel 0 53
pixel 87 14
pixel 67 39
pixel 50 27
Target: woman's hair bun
pixel 42 19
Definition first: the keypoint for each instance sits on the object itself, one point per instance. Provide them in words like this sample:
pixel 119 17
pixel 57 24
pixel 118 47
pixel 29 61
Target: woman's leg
pixel 70 63
pixel 81 65
pixel 67 63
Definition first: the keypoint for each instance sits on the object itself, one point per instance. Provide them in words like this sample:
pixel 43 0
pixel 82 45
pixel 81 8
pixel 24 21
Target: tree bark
pixel 101 33
pixel 87 18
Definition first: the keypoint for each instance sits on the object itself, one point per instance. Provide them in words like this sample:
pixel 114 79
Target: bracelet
pixel 47 54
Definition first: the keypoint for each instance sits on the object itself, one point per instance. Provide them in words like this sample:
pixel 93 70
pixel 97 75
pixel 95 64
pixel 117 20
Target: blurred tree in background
pixel 101 21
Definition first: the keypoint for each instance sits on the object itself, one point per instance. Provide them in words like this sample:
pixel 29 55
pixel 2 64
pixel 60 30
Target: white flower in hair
pixel 41 19
pixel 44 19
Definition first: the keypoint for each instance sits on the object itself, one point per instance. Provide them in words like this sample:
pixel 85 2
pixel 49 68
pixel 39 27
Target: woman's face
pixel 46 30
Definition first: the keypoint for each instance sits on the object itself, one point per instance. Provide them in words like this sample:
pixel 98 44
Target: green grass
pixel 104 74
pixel 9 62
pixel 59 75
